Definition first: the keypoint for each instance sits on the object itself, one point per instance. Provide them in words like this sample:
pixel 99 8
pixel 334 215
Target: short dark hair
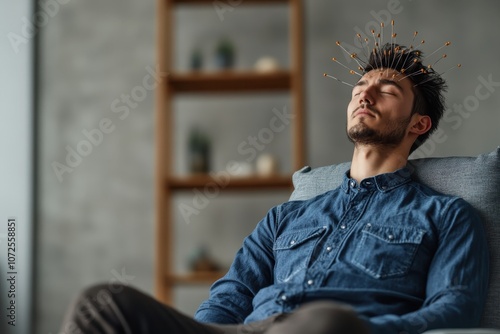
pixel 428 86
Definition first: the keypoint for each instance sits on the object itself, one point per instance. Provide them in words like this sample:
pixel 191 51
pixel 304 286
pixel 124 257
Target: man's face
pixel 380 109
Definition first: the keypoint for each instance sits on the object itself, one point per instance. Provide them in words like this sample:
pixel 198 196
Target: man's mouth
pixel 364 111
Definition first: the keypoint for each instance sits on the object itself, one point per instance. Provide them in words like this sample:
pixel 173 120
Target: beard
pixel 362 134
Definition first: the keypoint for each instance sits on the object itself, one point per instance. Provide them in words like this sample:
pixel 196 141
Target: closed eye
pixel 390 86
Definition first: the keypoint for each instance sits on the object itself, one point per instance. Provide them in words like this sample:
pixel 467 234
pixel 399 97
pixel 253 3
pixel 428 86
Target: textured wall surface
pixel 95 221
pixel 96 215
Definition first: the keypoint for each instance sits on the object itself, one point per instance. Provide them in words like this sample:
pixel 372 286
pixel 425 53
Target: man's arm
pixel 457 281
pixel 231 297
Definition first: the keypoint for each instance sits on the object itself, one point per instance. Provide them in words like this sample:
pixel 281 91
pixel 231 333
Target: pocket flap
pixel 393 234
pixel 292 239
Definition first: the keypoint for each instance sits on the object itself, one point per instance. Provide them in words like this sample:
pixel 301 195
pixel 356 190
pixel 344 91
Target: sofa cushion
pixel 475 179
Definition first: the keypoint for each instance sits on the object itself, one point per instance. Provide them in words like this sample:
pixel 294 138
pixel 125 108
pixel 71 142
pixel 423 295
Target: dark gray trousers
pixel 102 310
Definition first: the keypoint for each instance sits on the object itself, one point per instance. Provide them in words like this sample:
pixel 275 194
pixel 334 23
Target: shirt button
pixel 283 297
pixel 310 282
pixel 368 225
pixel 292 242
pixel 328 249
pixel 390 236
pixel 342 227
pixel 353 183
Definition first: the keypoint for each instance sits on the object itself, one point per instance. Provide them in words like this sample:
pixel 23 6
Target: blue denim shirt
pixel 406 257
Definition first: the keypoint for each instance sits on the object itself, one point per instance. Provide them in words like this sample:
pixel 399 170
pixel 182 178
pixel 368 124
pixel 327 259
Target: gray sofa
pixel 475 179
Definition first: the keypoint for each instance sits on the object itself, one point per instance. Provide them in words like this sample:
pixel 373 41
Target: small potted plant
pixel 224 54
pixel 199 152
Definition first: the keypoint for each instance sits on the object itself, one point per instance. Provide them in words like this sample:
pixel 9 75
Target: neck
pixel 368 161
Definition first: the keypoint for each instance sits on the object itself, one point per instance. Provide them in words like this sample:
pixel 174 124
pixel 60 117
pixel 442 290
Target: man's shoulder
pixel 428 190
pixel 311 200
pixel 432 193
pixel 445 201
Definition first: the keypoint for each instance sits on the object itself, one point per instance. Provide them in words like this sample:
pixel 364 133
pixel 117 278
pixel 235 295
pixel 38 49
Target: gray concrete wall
pixel 95 222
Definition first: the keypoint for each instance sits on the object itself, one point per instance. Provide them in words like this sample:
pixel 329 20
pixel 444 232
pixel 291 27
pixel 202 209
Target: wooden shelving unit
pixel 224 82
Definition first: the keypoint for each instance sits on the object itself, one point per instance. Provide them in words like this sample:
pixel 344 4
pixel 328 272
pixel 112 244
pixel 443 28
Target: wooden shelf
pixel 194 278
pixel 235 183
pixel 229 81
pixel 236 81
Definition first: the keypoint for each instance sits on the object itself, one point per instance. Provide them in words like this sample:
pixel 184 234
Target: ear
pixel 420 124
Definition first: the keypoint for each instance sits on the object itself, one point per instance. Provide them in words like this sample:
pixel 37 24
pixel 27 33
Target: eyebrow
pixel 383 82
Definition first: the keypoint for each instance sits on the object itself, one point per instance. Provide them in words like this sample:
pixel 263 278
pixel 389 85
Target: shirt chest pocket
pixel 292 252
pixel 386 251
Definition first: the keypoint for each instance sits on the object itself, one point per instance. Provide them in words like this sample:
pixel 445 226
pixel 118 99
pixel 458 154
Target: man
pixel 379 254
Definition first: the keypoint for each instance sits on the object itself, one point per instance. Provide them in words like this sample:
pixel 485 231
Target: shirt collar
pixel 382 182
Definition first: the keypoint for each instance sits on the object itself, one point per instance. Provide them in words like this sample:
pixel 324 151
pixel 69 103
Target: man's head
pixel 418 92
pixel 381 109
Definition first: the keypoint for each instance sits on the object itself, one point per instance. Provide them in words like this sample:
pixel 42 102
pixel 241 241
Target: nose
pixel 366 97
